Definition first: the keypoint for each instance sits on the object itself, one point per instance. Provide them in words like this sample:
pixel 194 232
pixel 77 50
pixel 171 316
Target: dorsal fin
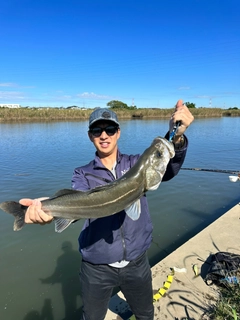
pixel 63 192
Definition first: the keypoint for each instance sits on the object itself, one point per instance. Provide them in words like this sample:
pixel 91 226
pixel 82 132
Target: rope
pixel 213 170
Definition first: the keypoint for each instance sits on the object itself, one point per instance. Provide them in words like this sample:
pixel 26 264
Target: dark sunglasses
pixel 110 131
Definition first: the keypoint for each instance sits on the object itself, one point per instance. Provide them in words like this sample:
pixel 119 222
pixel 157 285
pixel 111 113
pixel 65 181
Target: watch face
pixel 180 144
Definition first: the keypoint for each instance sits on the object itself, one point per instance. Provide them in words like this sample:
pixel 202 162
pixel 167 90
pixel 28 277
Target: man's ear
pixel 90 136
pixel 118 133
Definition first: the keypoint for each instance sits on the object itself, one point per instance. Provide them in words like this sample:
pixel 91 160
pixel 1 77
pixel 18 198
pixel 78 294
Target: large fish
pixel 68 205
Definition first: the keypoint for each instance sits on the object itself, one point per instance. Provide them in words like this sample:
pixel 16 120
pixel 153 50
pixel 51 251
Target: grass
pixel 227 306
pixel 55 114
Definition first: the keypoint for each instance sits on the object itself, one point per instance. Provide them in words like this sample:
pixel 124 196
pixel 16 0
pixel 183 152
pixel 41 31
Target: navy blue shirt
pixel 117 237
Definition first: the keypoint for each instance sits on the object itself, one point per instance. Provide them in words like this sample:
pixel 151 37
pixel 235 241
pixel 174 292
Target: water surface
pixel 39 268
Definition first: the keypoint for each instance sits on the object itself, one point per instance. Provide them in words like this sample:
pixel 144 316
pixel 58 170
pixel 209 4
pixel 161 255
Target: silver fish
pixel 69 205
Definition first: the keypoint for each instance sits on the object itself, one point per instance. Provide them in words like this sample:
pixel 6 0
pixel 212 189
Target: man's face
pixel 106 142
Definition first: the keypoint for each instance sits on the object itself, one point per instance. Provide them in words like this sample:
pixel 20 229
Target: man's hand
pixel 34 213
pixel 182 114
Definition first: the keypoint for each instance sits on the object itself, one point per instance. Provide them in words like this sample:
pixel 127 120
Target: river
pixel 39 268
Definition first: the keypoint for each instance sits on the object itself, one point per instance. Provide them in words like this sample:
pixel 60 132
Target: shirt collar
pixel 98 163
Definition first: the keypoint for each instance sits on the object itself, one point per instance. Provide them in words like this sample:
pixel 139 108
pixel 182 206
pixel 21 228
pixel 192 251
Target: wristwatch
pixel 179 144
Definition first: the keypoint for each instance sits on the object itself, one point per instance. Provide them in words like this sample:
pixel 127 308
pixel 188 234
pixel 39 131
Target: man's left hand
pixel 182 114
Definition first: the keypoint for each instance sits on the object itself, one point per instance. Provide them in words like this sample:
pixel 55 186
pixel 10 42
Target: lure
pixel 174 130
pixel 195 269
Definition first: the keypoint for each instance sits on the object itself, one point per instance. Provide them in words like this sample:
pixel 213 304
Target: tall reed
pixel 51 114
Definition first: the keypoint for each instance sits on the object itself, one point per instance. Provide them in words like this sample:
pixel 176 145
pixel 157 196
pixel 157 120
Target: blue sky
pixel 147 53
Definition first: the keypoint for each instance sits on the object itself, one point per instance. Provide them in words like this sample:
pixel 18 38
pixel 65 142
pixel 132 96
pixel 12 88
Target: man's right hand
pixel 34 213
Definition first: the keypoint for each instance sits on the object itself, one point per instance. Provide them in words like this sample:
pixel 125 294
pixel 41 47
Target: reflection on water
pixel 39 268
pixel 66 274
pixel 46 312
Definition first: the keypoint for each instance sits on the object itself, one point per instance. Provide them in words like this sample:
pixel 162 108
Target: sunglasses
pixel 110 131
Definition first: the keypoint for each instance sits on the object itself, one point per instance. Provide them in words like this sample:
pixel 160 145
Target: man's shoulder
pixel 129 158
pixel 85 167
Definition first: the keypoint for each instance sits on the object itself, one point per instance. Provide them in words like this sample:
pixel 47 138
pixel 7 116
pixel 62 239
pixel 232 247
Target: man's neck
pixel 109 161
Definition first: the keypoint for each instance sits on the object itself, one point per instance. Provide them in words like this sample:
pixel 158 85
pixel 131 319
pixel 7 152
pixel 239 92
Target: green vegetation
pixel 190 105
pixel 43 114
pixel 74 113
pixel 227 306
pixel 115 104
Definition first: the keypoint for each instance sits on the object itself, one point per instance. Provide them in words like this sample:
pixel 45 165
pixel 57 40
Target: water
pixel 39 268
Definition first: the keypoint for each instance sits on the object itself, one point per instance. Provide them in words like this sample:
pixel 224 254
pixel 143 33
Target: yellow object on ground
pixel 165 287
pixel 161 291
pixel 195 270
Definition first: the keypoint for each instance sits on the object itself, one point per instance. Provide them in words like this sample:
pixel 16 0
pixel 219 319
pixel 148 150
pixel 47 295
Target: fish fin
pixel 134 210
pixel 152 188
pixel 17 210
pixel 64 192
pixel 153 179
pixel 61 224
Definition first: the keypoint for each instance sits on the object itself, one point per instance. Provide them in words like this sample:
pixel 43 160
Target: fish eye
pixel 158 154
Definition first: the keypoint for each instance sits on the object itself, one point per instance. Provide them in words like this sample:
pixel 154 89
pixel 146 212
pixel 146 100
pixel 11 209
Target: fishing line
pixel 213 170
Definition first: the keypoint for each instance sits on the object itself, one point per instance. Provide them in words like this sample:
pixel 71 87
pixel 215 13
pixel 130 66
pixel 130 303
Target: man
pixel 114 248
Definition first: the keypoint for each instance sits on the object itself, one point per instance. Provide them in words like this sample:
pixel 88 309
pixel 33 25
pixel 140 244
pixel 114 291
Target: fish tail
pixel 17 210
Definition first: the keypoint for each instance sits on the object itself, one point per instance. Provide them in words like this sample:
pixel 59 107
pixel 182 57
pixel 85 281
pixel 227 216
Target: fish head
pixel 161 152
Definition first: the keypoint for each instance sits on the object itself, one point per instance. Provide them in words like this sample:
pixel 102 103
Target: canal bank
pixel 187 296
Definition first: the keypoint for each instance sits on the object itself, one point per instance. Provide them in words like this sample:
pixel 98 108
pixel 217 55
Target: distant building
pixel 7 105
